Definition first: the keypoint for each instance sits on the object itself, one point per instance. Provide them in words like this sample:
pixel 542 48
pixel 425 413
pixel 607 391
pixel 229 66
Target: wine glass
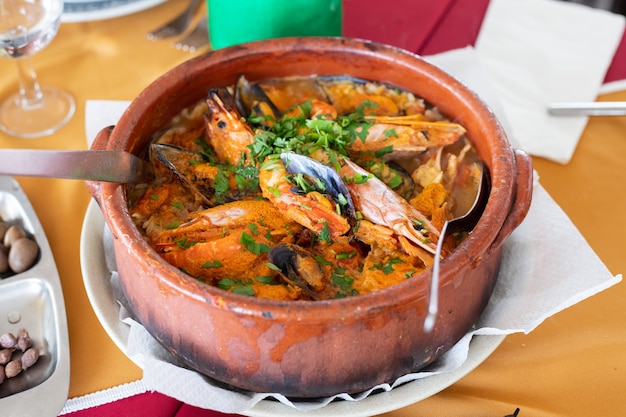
pixel 26 27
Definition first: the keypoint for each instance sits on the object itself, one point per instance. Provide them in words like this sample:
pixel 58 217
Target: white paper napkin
pixel 466 65
pixel 100 114
pixel 542 51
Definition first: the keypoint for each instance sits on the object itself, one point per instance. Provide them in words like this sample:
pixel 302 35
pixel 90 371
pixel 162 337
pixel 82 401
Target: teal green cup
pixel 232 22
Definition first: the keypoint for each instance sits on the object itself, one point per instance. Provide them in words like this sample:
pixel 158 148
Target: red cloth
pixel 617 70
pixel 407 24
pixel 429 27
pixel 425 27
pixel 149 404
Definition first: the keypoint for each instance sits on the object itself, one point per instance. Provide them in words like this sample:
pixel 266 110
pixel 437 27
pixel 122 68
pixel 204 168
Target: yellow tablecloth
pixel 572 365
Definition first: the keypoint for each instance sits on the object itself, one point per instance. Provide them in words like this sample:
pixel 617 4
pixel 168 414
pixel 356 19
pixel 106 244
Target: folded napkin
pixel 542 51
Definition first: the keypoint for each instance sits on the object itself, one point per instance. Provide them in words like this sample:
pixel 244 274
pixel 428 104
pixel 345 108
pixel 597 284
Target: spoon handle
pixel 433 302
pixel 107 166
pixel 465 222
pixel 601 108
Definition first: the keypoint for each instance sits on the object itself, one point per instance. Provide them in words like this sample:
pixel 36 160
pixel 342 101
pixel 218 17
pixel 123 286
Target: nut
pixel 12 234
pixel 29 358
pixel 12 362
pixel 18 250
pixel 5 356
pixel 13 368
pixel 8 341
pixel 22 254
pixel 23 340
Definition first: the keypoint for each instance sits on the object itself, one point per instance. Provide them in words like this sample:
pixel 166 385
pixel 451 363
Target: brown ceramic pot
pixel 313 349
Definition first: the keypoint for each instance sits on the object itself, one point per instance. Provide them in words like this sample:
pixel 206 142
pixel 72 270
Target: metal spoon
pixel 465 222
pixel 107 166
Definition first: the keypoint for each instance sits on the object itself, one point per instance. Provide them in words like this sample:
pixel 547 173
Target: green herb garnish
pixel 252 245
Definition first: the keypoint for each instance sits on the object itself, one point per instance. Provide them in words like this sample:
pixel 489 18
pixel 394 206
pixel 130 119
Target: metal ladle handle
pixel 433 302
pixel 464 222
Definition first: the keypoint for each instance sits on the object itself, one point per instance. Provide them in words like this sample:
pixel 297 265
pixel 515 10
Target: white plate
pixel 96 279
pixel 88 10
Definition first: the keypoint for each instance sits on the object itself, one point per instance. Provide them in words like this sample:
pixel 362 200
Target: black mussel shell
pixel 335 187
pixel 298 267
pixel 250 99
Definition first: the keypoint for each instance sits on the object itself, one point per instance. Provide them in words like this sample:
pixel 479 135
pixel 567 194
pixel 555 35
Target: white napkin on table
pixel 100 114
pixel 541 51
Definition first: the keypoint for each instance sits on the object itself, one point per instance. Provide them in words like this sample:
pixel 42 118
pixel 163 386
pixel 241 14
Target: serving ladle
pixel 465 222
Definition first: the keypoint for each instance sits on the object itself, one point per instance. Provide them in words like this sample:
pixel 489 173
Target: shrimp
pixel 405 136
pixel 228 134
pixel 382 206
pixel 229 240
pixel 313 209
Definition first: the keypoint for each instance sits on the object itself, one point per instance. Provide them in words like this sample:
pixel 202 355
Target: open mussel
pixel 274 97
pixel 251 100
pixel 333 185
pixel 299 268
pixel 212 184
pixel 184 165
pixel 398 179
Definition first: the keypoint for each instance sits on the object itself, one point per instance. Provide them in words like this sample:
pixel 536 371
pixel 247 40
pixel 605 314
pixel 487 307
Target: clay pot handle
pixel 99 143
pixel 102 138
pixel 521 200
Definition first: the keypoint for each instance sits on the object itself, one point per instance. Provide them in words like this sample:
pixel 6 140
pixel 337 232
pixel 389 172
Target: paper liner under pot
pixel 313 349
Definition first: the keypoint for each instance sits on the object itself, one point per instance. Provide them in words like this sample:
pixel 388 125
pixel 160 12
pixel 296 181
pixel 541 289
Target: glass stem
pixel 30 92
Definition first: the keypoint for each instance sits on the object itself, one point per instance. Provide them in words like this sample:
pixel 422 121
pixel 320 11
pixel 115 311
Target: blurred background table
pixel 571 365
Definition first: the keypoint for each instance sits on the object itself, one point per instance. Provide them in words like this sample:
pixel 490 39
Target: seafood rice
pixel 305 188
